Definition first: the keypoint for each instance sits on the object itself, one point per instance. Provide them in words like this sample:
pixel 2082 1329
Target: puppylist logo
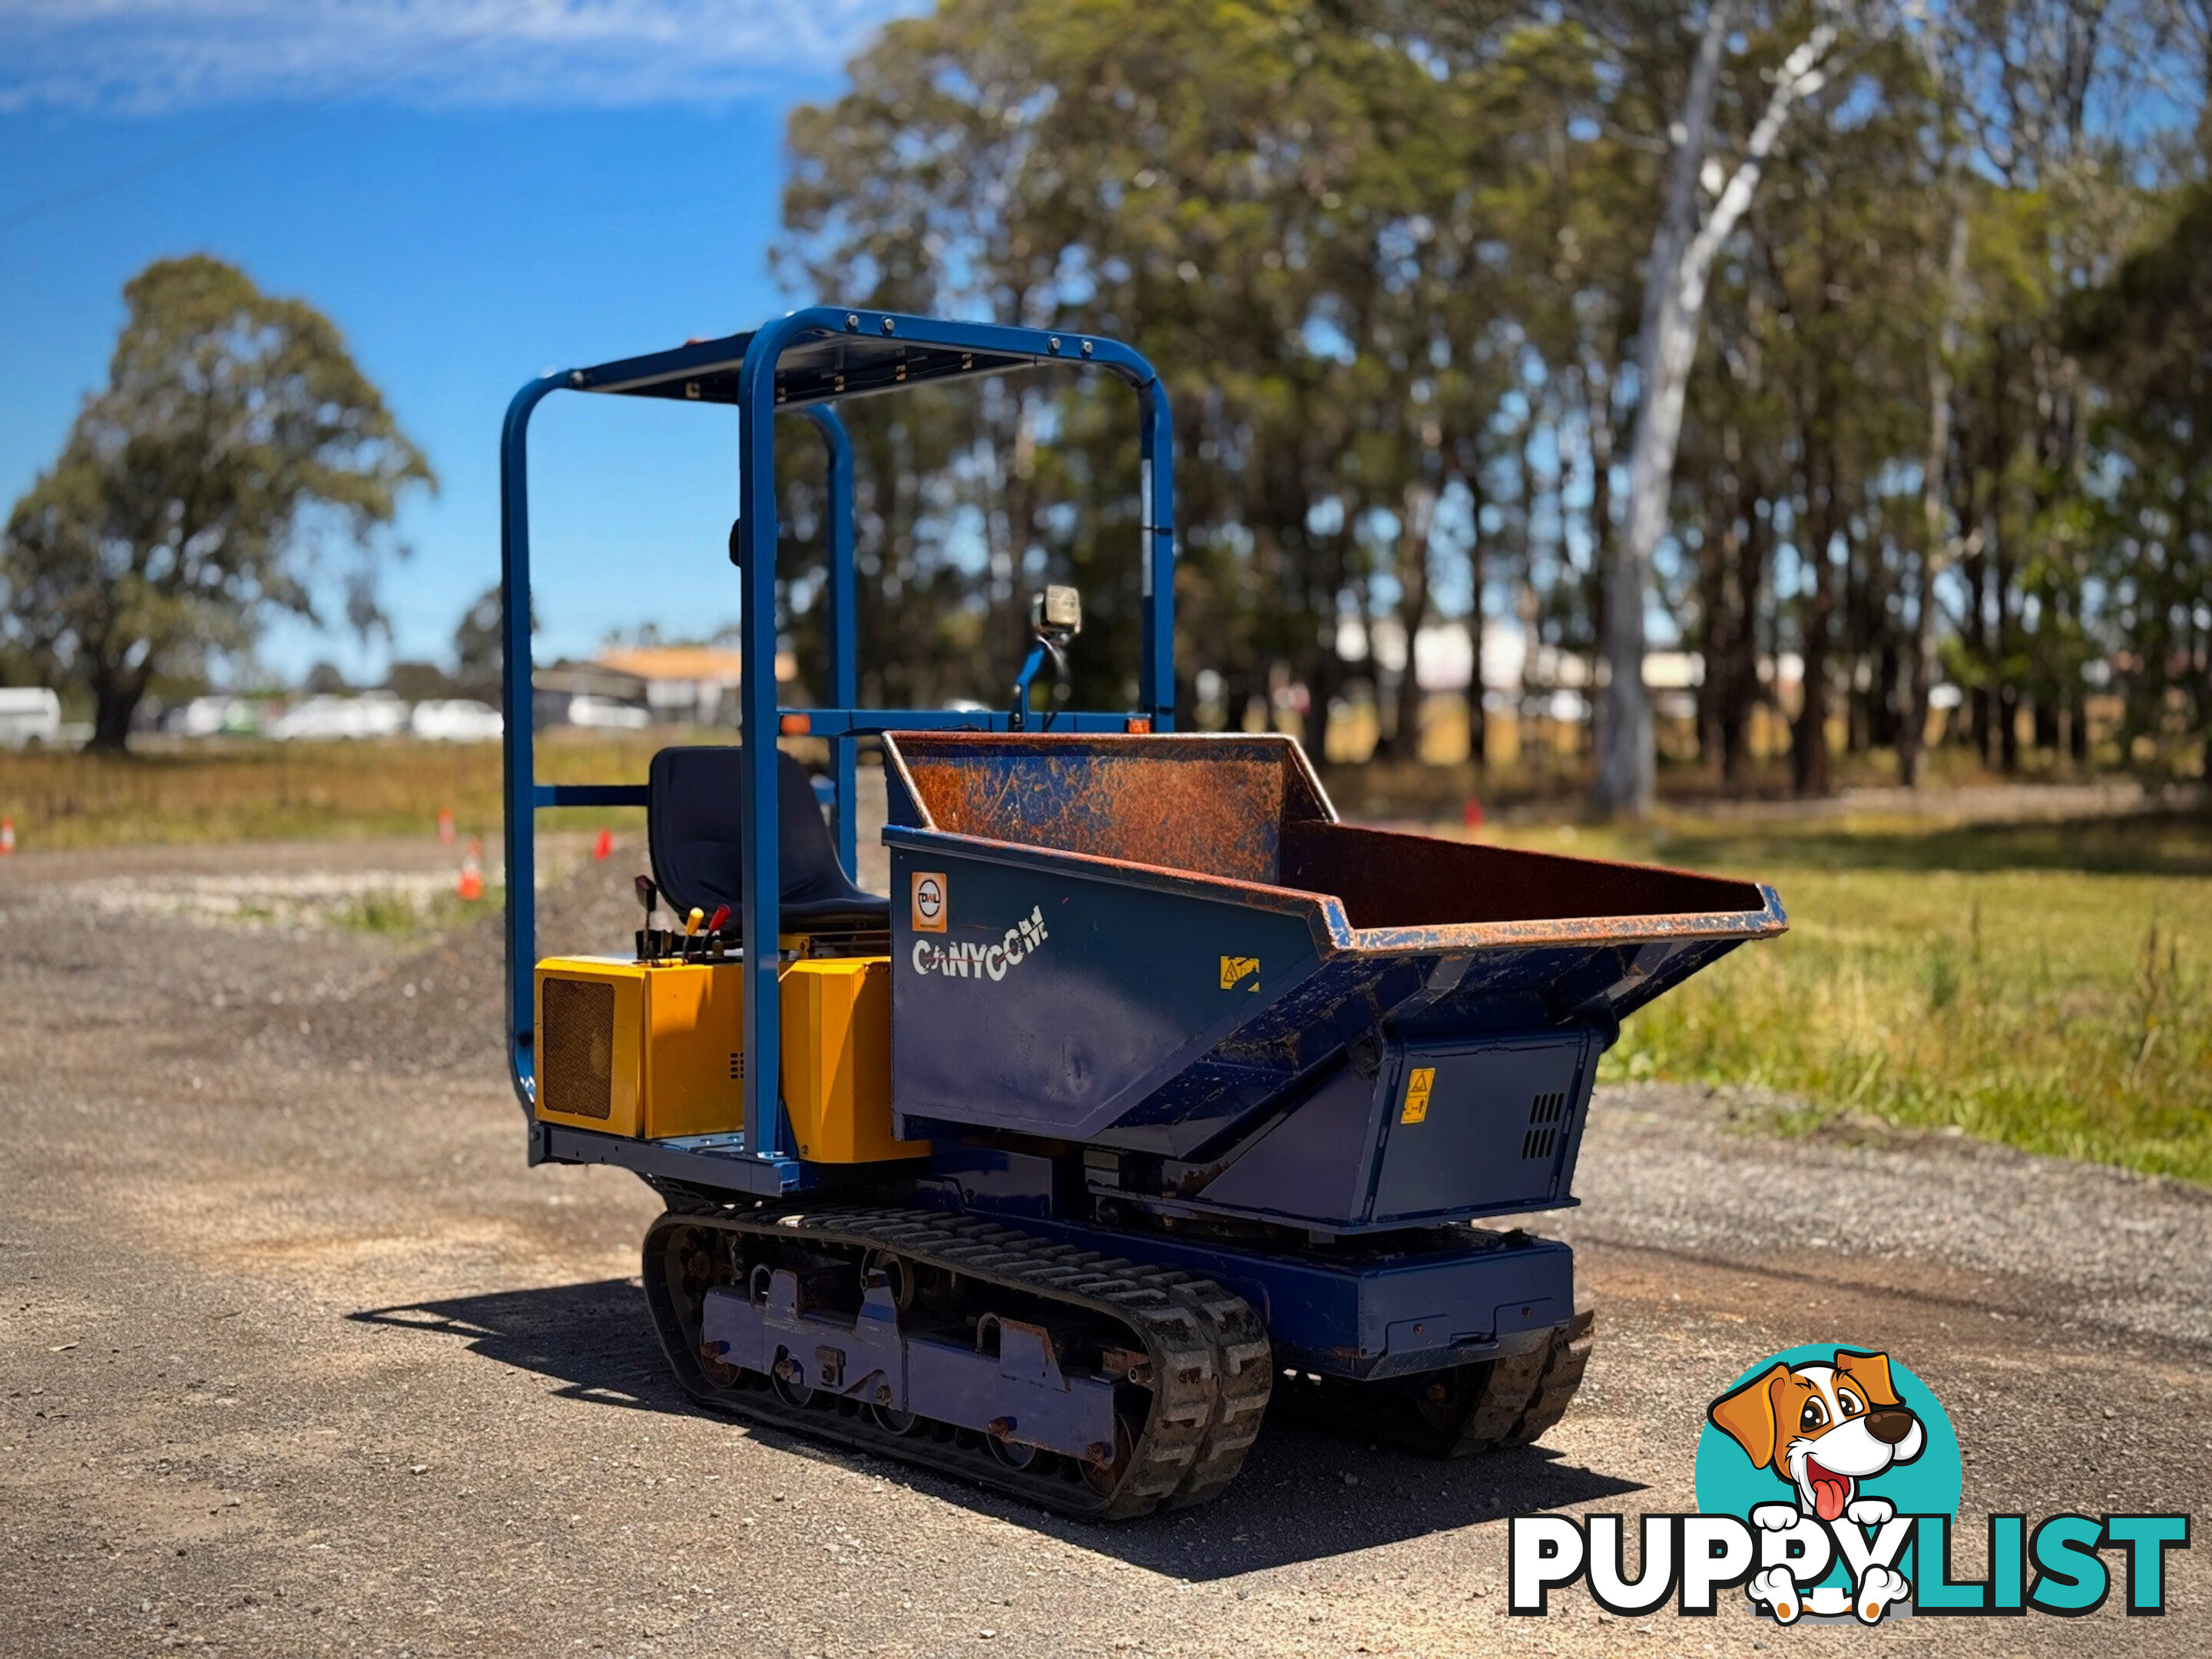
pixel 1828 1483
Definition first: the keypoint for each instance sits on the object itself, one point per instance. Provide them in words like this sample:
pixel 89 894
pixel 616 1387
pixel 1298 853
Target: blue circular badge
pixel 1821 1427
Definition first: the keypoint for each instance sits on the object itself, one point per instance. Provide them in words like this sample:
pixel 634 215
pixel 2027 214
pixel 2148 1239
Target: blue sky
pixel 527 185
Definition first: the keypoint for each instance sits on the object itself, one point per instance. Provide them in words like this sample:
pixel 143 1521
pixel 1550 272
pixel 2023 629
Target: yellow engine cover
pixel 838 1060
pixel 653 1051
pixel 647 1052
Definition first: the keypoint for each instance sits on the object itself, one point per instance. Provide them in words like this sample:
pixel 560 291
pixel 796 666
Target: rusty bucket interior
pixel 1247 809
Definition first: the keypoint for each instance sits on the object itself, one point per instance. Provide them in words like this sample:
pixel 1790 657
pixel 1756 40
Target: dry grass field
pixel 224 791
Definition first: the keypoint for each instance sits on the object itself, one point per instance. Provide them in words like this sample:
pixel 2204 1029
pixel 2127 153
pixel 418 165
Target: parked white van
pixel 29 713
pixel 456 720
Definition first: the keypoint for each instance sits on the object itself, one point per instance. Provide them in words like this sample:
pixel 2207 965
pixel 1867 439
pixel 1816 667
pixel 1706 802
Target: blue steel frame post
pixel 844 625
pixel 518 767
pixel 759 721
pixel 1156 689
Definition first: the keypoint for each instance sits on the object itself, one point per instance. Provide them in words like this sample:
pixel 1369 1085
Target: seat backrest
pixel 695 818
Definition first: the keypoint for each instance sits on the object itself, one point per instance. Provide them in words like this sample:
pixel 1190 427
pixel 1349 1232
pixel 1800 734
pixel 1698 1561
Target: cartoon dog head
pixel 1822 1428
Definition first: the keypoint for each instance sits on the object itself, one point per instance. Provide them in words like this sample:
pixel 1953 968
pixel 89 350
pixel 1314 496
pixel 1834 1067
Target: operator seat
pixel 694 812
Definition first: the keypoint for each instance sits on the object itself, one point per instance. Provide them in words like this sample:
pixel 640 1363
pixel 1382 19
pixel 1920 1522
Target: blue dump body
pixel 1168 950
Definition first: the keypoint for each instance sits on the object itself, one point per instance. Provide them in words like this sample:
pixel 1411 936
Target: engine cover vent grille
pixel 1544 1114
pixel 578 1048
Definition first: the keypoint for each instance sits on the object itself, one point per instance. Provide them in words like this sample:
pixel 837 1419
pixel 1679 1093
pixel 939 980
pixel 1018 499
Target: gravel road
pixel 297 1358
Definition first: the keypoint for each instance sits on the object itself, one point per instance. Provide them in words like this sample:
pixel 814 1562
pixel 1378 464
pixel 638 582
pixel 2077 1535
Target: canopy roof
pixel 872 351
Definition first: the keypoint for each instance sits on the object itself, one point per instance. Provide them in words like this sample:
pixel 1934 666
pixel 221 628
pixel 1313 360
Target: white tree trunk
pixel 1675 283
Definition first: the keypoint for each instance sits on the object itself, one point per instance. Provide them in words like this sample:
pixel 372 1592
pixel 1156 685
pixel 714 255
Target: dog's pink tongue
pixel 1830 1493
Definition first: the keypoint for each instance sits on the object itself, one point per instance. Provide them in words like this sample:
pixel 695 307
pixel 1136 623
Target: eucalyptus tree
pixel 1709 185
pixel 1295 219
pixel 2147 332
pixel 236 447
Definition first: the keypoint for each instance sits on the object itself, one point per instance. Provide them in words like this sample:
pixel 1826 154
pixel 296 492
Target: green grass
pixel 2049 987
pixel 399 914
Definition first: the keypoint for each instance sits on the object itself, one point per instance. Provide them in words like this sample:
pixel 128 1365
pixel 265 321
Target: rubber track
pixel 1527 1394
pixel 1565 1358
pixel 1207 1350
pixel 1244 1376
pixel 1513 1401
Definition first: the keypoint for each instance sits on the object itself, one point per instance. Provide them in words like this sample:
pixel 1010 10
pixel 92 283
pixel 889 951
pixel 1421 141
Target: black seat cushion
pixel 695 814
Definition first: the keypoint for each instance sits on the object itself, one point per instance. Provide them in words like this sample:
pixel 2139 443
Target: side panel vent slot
pixel 1545 1112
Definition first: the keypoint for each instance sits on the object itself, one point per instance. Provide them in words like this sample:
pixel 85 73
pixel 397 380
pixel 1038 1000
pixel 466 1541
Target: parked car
pixel 456 719
pixel 371 715
pixel 29 713
pixel 605 714
pixel 217 717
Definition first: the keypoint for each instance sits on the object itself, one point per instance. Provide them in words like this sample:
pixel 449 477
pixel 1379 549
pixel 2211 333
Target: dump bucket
pixel 1167 949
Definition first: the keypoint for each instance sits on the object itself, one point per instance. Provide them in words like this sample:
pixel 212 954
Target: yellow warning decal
pixel 1417 1085
pixel 1235 971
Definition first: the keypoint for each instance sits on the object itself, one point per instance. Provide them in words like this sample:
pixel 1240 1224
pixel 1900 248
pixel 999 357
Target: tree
pixel 2149 330
pixel 479 651
pixel 418 682
pixel 237 446
pixel 1689 236
pixel 1296 218
pixel 1819 311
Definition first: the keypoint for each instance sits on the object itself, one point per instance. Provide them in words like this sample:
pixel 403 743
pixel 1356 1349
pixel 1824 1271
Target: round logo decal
pixel 928 913
pixel 1819 1434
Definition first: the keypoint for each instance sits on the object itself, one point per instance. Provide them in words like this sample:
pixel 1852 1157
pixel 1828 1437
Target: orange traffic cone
pixel 446 825
pixel 7 837
pixel 471 886
pixel 603 847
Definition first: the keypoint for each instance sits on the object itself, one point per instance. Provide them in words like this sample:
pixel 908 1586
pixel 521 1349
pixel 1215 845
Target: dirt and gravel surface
pixel 297 1358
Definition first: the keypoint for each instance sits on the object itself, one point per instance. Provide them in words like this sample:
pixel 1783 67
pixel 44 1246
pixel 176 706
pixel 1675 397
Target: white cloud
pixel 158 56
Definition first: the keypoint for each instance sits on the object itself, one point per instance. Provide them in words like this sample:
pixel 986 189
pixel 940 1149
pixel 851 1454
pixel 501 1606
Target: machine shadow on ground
pixel 1303 1494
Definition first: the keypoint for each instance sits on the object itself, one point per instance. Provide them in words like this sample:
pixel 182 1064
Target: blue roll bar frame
pixel 803 362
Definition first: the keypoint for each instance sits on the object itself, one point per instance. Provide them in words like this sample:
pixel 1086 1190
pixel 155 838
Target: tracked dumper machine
pixel 1151 1093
